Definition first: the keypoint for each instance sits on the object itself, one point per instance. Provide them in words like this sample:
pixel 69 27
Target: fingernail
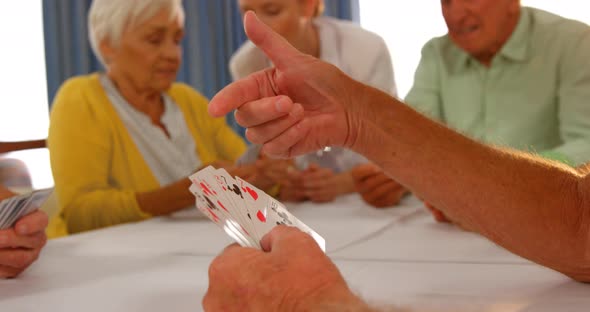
pixel 281 105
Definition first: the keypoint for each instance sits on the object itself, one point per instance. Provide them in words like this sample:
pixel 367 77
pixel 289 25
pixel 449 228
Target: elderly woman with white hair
pixel 123 142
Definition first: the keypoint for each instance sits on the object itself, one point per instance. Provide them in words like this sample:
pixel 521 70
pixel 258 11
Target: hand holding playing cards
pixel 290 274
pixel 376 188
pixel 298 107
pixel 20 245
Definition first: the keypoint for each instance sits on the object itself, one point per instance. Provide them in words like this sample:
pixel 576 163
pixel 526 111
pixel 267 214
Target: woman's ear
pixel 106 50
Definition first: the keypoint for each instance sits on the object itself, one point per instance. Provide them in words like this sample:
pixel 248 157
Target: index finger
pixel 236 94
pixel 9 239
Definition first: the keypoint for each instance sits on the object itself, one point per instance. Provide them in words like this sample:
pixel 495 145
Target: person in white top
pixel 359 53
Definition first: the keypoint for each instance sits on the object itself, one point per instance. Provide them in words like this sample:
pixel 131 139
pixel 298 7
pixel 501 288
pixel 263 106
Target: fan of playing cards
pixel 15 207
pixel 243 211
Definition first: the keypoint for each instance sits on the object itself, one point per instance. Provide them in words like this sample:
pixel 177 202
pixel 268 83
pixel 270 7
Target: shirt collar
pixel 517 46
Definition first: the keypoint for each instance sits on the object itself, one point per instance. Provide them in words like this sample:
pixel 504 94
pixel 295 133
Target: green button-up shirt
pixel 535 96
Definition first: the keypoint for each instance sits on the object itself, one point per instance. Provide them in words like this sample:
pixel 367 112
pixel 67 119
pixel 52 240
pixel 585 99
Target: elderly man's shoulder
pixel 551 24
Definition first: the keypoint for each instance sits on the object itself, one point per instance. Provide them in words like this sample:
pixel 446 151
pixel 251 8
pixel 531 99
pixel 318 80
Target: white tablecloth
pixel 393 256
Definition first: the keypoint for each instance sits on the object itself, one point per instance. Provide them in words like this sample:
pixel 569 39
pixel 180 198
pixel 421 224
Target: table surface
pixel 396 256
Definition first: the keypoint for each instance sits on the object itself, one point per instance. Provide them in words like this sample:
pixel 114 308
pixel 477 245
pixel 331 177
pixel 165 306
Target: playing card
pixel 269 213
pixel 6 209
pixel 16 207
pixel 36 200
pixel 229 186
pixel 218 202
pixel 228 226
pixel 243 211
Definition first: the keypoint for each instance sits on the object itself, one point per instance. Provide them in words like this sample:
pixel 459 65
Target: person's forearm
pixel 167 199
pixel 533 207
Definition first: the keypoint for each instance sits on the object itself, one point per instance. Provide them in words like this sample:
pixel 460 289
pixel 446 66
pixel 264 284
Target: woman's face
pixel 149 54
pixel 286 17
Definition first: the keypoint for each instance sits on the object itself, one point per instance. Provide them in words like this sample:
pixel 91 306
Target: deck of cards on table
pixel 243 211
pixel 16 207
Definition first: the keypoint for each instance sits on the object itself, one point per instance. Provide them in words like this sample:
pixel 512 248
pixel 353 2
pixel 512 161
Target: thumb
pixel 277 48
pixel 278 236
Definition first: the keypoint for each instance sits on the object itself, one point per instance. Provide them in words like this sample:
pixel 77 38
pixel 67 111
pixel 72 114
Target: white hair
pixel 107 19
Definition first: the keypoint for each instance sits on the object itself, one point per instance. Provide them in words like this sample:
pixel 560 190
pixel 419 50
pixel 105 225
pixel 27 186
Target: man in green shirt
pixel 506 75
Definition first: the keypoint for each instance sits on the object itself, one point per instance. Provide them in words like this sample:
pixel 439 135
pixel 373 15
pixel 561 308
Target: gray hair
pixel 107 19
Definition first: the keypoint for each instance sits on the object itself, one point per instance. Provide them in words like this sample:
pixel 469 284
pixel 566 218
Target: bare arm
pixel 535 208
pixel 167 199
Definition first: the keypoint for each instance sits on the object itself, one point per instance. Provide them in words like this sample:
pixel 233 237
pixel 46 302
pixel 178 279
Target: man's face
pixel 480 27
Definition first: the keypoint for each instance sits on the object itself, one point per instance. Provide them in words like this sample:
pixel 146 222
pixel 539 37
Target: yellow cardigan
pixel 96 166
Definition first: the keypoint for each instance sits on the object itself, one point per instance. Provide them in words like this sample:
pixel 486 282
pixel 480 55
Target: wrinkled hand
pixel 375 187
pixel 299 106
pixel 323 185
pixel 293 274
pixel 20 246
